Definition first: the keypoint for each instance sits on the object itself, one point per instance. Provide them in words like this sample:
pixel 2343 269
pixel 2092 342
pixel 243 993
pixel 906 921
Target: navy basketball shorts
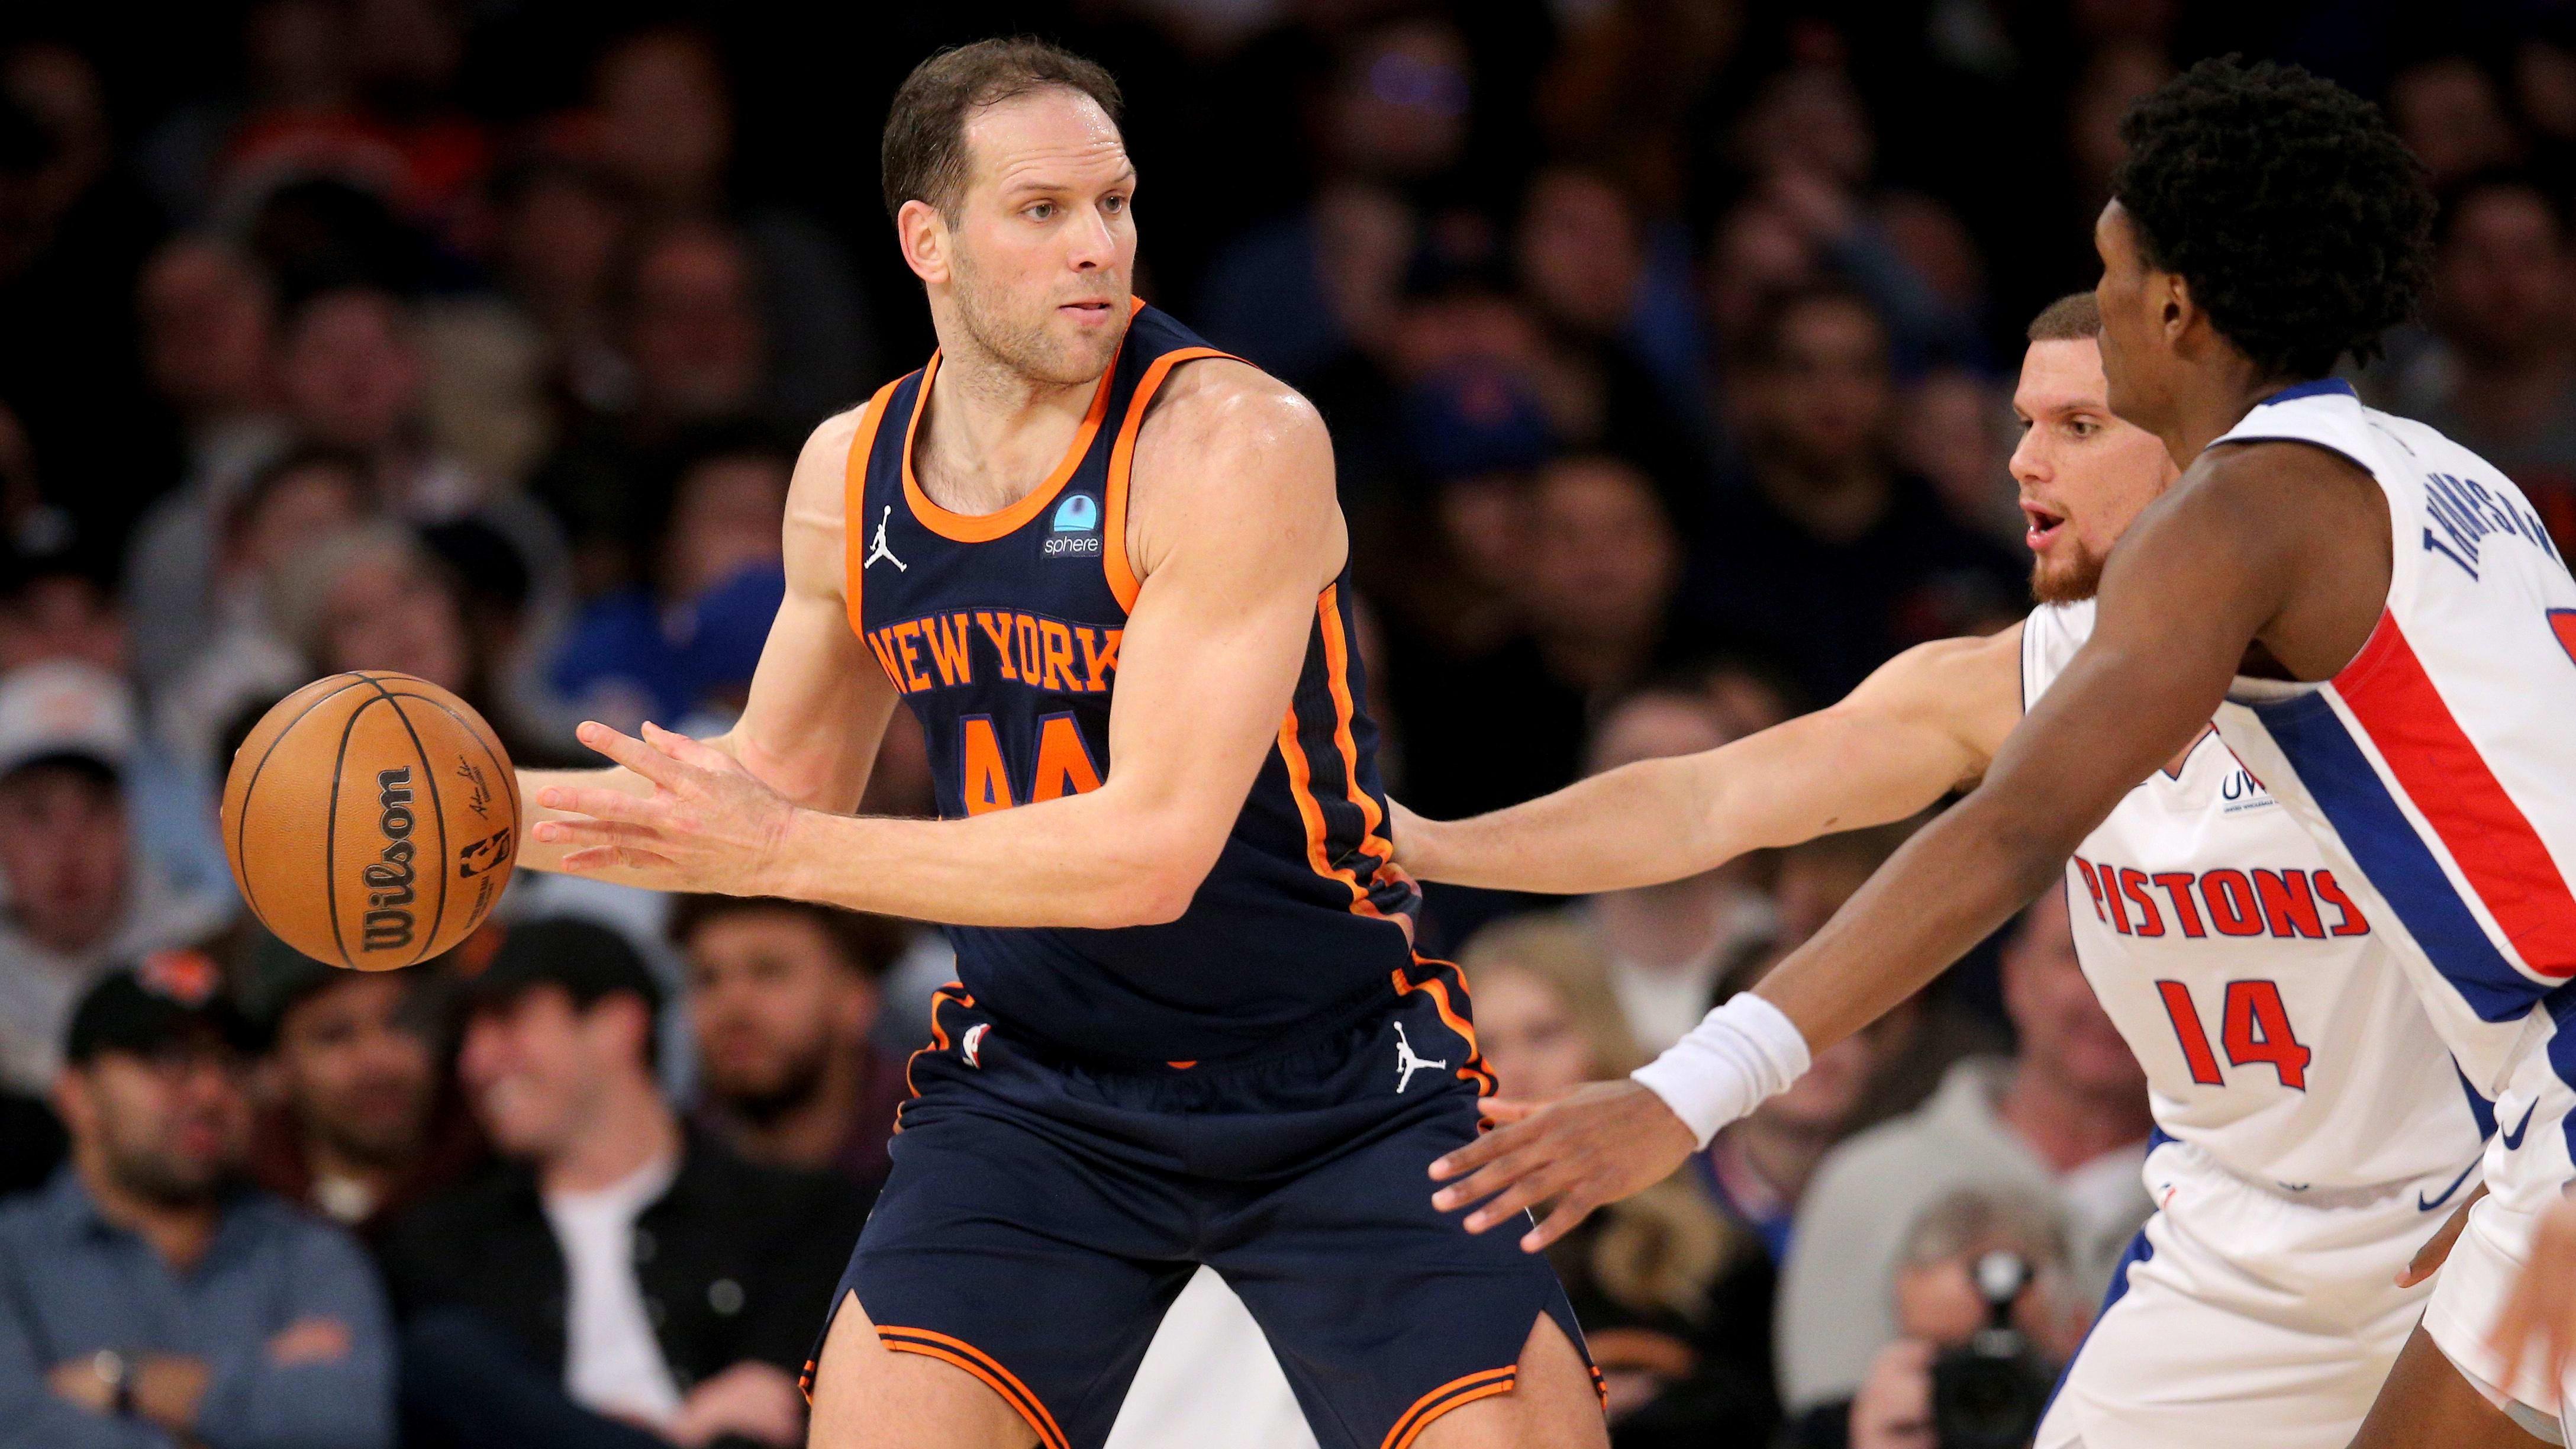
pixel 1043 1213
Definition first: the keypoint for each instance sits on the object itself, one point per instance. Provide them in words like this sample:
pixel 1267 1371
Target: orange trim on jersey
pixel 1182 1066
pixel 985 527
pixel 1337 673
pixel 1114 563
pixel 1301 788
pixel 1446 1397
pixel 1473 1069
pixel 983 1366
pixel 954 991
pixel 855 535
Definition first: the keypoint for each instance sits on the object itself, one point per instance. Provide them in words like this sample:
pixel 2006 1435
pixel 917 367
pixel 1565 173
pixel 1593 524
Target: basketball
pixel 371 820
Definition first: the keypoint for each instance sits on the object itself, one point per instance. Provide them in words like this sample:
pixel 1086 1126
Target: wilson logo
pixel 389 876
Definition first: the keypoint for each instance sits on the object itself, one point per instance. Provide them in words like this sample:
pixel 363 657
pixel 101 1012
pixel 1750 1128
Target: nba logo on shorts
pixel 972 1047
pixel 1075 530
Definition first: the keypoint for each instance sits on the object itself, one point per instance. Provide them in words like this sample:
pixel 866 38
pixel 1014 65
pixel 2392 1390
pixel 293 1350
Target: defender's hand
pixel 709 824
pixel 1595 1145
pixel 2540 1318
pixel 2436 1251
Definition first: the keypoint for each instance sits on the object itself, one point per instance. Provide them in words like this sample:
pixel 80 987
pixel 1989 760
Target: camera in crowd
pixel 1989 1392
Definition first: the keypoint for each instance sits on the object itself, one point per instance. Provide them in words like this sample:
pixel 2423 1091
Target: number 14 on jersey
pixel 2253 1028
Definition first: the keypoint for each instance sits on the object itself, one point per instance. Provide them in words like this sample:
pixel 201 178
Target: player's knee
pixel 866 1396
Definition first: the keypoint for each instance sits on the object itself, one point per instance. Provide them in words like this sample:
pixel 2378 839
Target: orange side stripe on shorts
pixel 983 1366
pixel 1446 1397
pixel 1439 991
pixel 954 991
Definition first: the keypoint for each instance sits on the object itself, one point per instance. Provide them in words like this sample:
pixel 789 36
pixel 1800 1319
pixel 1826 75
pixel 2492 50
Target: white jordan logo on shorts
pixel 879 550
pixel 1405 1061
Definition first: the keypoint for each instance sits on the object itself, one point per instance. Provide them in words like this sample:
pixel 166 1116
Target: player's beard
pixel 1021 342
pixel 2069 582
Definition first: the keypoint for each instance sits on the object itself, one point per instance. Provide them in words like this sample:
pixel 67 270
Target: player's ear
pixel 922 234
pixel 2175 309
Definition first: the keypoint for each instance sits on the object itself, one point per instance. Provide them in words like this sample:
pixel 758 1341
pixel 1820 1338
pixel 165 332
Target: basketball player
pixel 1103 565
pixel 2313 1133
pixel 2379 626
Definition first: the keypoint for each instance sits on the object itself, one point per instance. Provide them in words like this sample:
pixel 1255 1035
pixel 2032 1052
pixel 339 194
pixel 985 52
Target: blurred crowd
pixel 1667 349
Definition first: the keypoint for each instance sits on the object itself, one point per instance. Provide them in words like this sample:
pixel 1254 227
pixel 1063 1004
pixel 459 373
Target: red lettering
pixel 2256 1029
pixel 2186 1025
pixel 2110 897
pixel 2085 868
pixel 2133 884
pixel 2230 900
pixel 2332 894
pixel 2177 887
pixel 2288 908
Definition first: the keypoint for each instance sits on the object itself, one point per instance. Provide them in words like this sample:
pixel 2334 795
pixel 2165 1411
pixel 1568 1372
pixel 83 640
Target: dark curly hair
pixel 2303 225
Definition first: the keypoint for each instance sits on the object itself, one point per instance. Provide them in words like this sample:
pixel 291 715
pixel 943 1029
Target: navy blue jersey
pixel 1001 631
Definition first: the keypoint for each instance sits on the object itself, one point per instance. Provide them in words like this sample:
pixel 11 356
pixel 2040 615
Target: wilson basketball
pixel 371 820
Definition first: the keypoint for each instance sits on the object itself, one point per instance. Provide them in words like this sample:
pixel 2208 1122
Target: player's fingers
pixel 591 832
pixel 1544 1182
pixel 603 859
pixel 1503 1111
pixel 688 751
pixel 1479 1152
pixel 601 804
pixel 1489 1179
pixel 1569 1212
pixel 2509 1341
pixel 654 765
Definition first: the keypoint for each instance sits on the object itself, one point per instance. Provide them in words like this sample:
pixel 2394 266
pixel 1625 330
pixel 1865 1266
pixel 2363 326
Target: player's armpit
pixel 1926 723
pixel 2199 578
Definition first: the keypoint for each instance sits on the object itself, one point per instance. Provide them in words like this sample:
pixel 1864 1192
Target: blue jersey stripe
pixel 2358 804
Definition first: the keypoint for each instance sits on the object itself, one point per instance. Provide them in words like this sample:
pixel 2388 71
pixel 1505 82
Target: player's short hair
pixel 2075 317
pixel 2300 221
pixel 924 153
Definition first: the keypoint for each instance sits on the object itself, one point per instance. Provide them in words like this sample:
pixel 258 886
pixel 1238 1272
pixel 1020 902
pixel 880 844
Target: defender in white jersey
pixel 2264 224
pixel 2313 1132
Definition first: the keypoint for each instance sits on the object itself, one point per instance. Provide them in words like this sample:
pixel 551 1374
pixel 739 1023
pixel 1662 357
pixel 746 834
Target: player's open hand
pixel 2540 1319
pixel 1595 1145
pixel 709 824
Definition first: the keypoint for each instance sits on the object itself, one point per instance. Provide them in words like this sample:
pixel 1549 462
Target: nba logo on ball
pixel 1075 530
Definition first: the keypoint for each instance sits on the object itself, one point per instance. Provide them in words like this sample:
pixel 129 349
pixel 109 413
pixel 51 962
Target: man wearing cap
pixel 148 1300
pixel 78 895
pixel 618 1268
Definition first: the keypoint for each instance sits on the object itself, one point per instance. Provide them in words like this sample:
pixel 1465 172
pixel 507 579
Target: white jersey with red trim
pixel 2436 772
pixel 2278 1030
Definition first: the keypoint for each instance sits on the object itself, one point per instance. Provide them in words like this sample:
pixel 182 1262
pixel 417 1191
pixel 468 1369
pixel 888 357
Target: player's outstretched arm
pixel 1235 533
pixel 819 703
pixel 2224 560
pixel 1926 723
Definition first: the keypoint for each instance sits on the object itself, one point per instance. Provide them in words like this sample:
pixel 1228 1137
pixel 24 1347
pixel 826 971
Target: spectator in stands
pixel 1956 430
pixel 1675 1300
pixel 1668 945
pixel 619 1269
pixel 2066 1120
pixel 666 131
pixel 1760 1168
pixel 209 347
pixel 1596 580
pixel 1938 1306
pixel 279 514
pixel 361 1122
pixel 2449 112
pixel 1832 557
pixel 782 1001
pixel 2499 373
pixel 80 895
pixel 145 1297
pixel 560 223
pixel 685 641
pixel 32 1144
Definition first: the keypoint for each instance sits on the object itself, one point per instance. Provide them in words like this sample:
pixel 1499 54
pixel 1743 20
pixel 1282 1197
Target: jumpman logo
pixel 1406 1062
pixel 880 551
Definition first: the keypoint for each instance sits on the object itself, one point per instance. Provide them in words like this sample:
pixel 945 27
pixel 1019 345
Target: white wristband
pixel 1739 1055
